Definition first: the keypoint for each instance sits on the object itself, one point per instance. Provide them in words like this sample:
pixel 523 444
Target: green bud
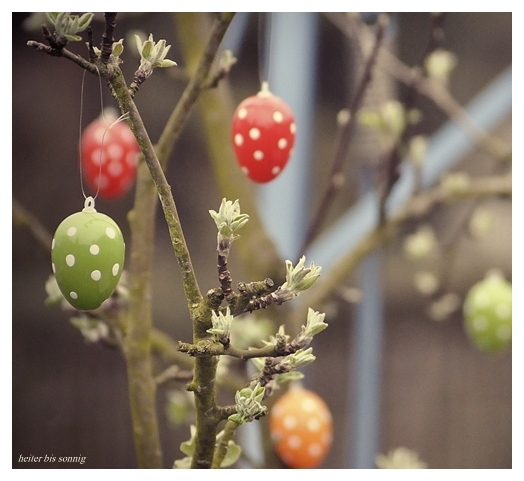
pixel 152 54
pixel 420 244
pixel 147 47
pixel 299 359
pixel 315 323
pixel 399 458
pixel 184 463
pixel 221 324
pixel 118 48
pixel 389 120
pixel 300 278
pixel 440 64
pixel 229 219
pixel 227 60
pixel 188 447
pixel 248 405
pixel 93 330
pixel 67 25
pixel 289 377
pixel 54 294
pixel 165 63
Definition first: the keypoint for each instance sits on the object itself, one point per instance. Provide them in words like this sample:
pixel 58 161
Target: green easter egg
pixel 487 314
pixel 87 257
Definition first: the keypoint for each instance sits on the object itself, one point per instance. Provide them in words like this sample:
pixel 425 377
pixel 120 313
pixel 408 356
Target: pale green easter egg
pixel 87 256
pixel 488 313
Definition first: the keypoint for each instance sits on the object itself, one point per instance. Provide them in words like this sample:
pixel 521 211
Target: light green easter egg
pixel 87 257
pixel 487 314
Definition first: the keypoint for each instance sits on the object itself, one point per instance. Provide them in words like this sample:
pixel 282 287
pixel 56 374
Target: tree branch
pixel 416 207
pixel 216 106
pixel 23 218
pixel 430 88
pixel 345 134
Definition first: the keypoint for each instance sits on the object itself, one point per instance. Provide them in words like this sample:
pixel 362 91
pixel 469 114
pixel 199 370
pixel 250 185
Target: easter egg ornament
pixel 301 428
pixel 263 135
pixel 488 312
pixel 109 154
pixel 87 255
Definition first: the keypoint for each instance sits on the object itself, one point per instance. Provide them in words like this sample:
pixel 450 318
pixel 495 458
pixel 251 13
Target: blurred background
pixel 439 396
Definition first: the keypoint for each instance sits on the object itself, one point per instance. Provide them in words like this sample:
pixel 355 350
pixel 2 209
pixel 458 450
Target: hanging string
pixel 80 134
pixel 264 46
pixel 122 117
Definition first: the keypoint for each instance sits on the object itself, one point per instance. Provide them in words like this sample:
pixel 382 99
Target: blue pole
pixel 445 149
pixel 292 65
pixel 284 202
pixel 365 379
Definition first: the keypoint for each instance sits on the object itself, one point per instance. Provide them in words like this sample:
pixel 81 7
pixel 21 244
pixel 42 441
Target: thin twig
pixel 394 157
pixel 196 85
pixel 23 218
pixel 416 207
pixel 345 136
pixel 433 90
pixel 107 37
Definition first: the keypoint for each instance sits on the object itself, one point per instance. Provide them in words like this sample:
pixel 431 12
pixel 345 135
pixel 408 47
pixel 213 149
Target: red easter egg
pixel 263 134
pixel 109 156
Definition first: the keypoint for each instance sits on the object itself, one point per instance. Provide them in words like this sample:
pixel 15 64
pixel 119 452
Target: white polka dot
pixel 282 143
pixel 309 405
pixel 480 323
pixel 103 181
pixel 289 421
pixel 98 157
pixel 73 295
pixel 96 275
pixel 132 159
pixel 70 260
pixel 278 117
pixel 71 231
pixel 481 300
pixel 294 441
pixel 128 136
pixel 110 232
pixel 245 170
pixel 254 133
pixel 242 113
pixel 313 425
pixel 94 249
pixel 53 243
pixel 503 311
pixel 115 269
pixel 99 134
pixel 293 128
pixel 115 169
pixel 275 170
pixel 239 139
pixel 504 333
pixel 315 450
pixel 53 267
pixel 258 155
pixel 115 151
